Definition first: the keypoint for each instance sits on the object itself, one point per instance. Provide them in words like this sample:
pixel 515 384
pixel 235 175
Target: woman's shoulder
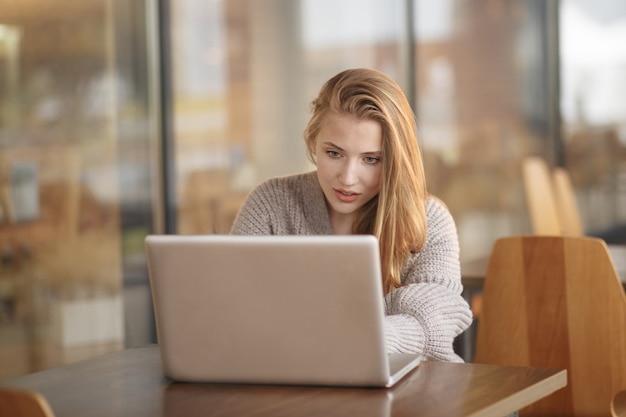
pixel 292 204
pixel 435 207
pixel 286 184
pixel 438 216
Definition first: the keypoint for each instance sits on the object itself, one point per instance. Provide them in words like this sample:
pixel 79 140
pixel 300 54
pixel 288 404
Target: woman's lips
pixel 346 196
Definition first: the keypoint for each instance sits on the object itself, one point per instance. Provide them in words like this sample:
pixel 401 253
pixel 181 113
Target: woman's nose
pixel 349 174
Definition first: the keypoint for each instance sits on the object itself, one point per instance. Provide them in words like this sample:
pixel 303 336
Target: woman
pixel 362 137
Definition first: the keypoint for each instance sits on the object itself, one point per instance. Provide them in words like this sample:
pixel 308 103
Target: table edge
pixel 527 396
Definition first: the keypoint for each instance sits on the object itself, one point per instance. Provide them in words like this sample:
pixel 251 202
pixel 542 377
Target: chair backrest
pixel 540 199
pixel 22 403
pixel 557 302
pixel 566 204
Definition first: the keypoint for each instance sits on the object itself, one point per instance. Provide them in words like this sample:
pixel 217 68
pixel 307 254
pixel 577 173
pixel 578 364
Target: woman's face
pixel 349 162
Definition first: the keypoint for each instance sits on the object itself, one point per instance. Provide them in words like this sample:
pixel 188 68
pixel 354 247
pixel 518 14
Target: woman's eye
pixel 372 159
pixel 333 154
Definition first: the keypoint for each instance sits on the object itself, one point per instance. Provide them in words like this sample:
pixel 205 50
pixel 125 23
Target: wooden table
pixel 130 383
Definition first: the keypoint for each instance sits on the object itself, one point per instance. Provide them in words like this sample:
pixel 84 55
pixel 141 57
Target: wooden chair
pixel 557 302
pixel 21 403
pixel 540 199
pixel 618 404
pixel 566 204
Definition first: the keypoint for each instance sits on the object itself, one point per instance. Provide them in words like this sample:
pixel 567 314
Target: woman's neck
pixel 342 223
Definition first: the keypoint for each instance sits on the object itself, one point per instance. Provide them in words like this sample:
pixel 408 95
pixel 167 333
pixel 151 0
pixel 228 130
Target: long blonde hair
pixel 397 216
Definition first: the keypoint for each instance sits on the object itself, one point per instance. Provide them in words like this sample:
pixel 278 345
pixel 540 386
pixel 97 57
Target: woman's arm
pixel 428 311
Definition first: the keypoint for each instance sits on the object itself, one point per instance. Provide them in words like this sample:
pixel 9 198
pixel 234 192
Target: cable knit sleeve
pixel 428 311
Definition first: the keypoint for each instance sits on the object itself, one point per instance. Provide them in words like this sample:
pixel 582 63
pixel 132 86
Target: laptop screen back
pixel 269 309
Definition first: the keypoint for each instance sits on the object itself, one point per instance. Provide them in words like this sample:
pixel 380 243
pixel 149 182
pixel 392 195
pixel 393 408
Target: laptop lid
pixel 299 310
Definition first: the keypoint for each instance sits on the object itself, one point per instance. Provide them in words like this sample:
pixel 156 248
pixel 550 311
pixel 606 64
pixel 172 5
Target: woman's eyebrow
pixel 333 145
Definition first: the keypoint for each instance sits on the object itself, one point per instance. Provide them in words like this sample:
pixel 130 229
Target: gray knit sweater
pixel 422 316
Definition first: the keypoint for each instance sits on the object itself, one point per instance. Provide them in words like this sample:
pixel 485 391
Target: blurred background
pixel 120 118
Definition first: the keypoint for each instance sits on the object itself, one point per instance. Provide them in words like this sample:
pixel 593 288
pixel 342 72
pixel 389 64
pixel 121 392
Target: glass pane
pixel 482 106
pixel 244 74
pixel 68 97
pixel 593 86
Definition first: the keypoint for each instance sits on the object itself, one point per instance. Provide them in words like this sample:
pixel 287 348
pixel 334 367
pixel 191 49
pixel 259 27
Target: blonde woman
pixel 362 137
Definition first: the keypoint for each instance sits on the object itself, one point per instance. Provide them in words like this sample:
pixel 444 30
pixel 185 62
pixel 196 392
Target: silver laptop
pixel 295 310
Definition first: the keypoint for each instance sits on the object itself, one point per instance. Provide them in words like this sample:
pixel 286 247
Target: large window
pixel 76 132
pixel 483 97
pixel 476 71
pixel 593 87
